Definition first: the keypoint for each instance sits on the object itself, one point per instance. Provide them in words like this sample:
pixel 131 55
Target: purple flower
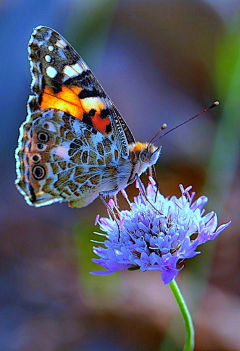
pixel 157 233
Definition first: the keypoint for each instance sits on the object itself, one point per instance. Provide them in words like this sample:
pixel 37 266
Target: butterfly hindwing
pixel 62 159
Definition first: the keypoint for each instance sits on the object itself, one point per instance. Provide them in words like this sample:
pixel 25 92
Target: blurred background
pixel 161 61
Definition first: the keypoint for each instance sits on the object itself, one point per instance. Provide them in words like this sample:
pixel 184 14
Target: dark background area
pixel 160 61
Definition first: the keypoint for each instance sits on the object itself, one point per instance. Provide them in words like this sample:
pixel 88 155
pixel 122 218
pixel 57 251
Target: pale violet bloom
pixel 156 234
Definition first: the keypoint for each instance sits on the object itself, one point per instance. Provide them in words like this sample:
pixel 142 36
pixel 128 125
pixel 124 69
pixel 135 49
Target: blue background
pixel 160 61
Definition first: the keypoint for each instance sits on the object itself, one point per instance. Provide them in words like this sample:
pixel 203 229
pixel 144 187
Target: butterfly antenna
pixel 164 126
pixel 215 104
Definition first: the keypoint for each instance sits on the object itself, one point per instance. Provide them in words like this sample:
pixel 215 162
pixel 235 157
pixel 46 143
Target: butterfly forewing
pixel 62 80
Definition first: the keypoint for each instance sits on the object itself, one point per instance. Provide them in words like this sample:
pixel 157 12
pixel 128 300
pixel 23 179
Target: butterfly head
pixel 143 156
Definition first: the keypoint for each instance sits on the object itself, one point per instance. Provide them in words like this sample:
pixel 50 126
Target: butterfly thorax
pixel 142 156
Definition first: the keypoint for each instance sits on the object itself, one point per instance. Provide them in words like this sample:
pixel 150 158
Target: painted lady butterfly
pixel 74 144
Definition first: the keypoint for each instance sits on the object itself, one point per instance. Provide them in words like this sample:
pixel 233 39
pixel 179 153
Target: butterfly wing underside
pixel 72 132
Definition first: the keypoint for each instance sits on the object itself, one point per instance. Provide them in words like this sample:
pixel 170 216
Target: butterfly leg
pixel 115 200
pixel 152 173
pixel 143 192
pixel 114 214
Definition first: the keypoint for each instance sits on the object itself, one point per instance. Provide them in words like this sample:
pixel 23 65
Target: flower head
pixel 156 233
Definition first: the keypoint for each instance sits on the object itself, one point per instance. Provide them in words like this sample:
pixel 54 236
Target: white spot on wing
pixel 69 71
pixel 51 72
pixel 73 70
pixel 93 102
pixel 50 48
pixel 61 43
pixel 77 68
pixel 62 152
pixel 48 58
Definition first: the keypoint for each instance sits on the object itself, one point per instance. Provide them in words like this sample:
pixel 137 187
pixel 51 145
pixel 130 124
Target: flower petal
pixel 156 233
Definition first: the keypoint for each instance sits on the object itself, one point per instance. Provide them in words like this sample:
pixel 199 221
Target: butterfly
pixel 74 145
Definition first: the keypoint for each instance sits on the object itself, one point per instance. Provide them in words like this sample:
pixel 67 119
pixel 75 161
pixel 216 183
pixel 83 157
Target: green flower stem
pixel 189 343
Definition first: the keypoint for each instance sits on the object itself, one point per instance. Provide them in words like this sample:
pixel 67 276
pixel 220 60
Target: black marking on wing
pixel 90 93
pixel 108 128
pixel 87 119
pixel 105 113
pixel 92 112
pixel 56 83
pixel 31 191
pixel 86 80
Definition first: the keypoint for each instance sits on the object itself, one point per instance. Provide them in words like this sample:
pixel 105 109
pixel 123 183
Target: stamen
pixel 96 219
pixel 124 194
pixel 97 242
pixel 100 234
pixel 111 204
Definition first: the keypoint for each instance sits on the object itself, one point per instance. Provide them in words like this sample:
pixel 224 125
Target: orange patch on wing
pixel 66 100
pixel 93 102
pixel 98 105
pixel 76 89
pixel 99 123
